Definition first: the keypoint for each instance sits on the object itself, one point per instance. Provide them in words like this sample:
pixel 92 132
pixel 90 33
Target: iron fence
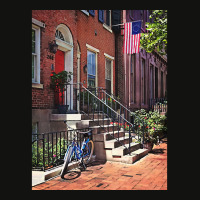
pixel 48 149
pixel 158 104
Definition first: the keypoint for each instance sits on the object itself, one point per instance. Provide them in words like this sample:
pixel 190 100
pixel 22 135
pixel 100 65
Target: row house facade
pixel 89 46
pixel 85 46
pixel 141 76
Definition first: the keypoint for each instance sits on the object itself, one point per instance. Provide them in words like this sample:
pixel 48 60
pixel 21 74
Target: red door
pixel 59 66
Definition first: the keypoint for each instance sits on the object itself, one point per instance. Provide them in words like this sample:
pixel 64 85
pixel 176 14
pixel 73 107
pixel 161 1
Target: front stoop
pixel 106 145
pixel 121 153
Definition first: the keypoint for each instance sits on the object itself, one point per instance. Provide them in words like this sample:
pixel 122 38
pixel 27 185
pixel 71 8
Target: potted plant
pixel 58 83
pixel 153 126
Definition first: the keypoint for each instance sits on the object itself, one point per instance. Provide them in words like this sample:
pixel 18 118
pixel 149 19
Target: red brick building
pixel 92 49
pixel 86 47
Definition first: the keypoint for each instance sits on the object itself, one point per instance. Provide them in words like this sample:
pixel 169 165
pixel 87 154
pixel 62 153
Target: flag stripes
pixel 131 41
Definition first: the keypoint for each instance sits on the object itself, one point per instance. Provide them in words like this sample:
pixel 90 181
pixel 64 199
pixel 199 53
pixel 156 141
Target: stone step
pixel 97 122
pixel 90 123
pixel 122 150
pixel 114 143
pixel 134 156
pixel 112 135
pixel 106 128
pixel 91 116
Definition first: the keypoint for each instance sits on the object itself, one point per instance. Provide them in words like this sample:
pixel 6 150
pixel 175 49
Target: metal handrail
pixel 131 113
pixel 107 105
pixel 117 117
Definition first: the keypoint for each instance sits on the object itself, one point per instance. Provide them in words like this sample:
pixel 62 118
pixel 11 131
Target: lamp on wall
pixel 85 69
pixel 53 47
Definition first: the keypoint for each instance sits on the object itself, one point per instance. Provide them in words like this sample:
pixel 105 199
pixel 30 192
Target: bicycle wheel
pixel 88 151
pixel 66 162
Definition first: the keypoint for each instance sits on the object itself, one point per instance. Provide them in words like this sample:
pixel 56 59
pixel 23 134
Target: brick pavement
pixel 149 173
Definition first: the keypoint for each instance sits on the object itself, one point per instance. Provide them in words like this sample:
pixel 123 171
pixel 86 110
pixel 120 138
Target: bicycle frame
pixel 77 149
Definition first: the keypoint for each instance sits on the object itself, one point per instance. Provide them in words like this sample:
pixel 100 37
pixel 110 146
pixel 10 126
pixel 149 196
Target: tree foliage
pixel 156 37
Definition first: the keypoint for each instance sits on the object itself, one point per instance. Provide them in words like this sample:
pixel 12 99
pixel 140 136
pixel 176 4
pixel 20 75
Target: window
pixel 107 17
pixel 156 82
pixel 35 54
pixel 89 12
pixel 151 82
pixel 92 12
pixel 143 82
pixel 108 75
pixel 91 68
pixel 59 35
pixel 101 15
pixel 162 89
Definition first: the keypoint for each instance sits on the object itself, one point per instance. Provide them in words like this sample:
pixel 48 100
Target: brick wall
pixel 82 28
pixel 44 98
pixel 104 41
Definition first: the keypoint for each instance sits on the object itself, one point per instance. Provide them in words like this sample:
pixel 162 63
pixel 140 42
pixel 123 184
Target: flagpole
pixel 127 22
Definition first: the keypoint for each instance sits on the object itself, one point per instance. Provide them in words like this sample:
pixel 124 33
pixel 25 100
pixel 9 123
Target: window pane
pixel 108 69
pixel 33 66
pixel 108 17
pixel 108 86
pixel 91 81
pixel 33 41
pixel 91 63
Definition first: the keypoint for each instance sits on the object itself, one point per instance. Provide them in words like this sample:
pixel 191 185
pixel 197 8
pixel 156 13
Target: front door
pixel 59 66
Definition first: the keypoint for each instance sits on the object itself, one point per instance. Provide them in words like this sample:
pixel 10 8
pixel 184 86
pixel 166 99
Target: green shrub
pixel 153 124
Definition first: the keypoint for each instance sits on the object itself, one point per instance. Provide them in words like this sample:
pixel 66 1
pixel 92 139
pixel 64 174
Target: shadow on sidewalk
pixel 72 174
pixel 75 173
pixel 157 151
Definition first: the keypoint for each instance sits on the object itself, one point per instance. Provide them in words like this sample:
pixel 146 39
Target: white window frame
pixel 85 12
pixel 107 27
pixel 94 50
pixel 111 58
pixel 36 78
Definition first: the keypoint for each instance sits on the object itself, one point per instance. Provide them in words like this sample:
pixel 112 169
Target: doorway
pixel 59 66
pixel 64 58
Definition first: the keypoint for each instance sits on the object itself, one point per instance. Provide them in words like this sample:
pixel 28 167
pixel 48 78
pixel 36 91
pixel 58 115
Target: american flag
pixel 132 37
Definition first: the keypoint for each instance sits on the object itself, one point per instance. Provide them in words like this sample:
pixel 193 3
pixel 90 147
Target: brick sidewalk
pixel 149 173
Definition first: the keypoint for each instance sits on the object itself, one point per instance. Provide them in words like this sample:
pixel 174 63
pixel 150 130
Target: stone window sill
pixel 37 85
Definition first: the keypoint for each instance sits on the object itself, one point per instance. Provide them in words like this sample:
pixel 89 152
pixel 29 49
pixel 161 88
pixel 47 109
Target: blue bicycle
pixel 83 154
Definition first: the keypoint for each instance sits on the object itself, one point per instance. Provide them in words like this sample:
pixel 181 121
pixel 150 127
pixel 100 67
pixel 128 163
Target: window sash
pixel 35 54
pixel 101 17
pixel 91 63
pixel 108 17
pixel 34 67
pixel 108 70
pixel 91 68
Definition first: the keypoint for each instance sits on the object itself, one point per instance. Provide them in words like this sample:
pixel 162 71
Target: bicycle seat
pixel 86 133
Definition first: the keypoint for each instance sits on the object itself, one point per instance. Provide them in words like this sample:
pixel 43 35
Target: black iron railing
pixel 48 149
pixel 98 105
pixel 158 104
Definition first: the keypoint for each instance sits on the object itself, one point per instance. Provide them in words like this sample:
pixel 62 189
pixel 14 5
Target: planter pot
pixel 62 109
pixel 148 146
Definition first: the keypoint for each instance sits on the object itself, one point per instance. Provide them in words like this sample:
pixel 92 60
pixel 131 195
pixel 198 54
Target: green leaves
pixel 156 37
pixel 61 78
pixel 152 123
